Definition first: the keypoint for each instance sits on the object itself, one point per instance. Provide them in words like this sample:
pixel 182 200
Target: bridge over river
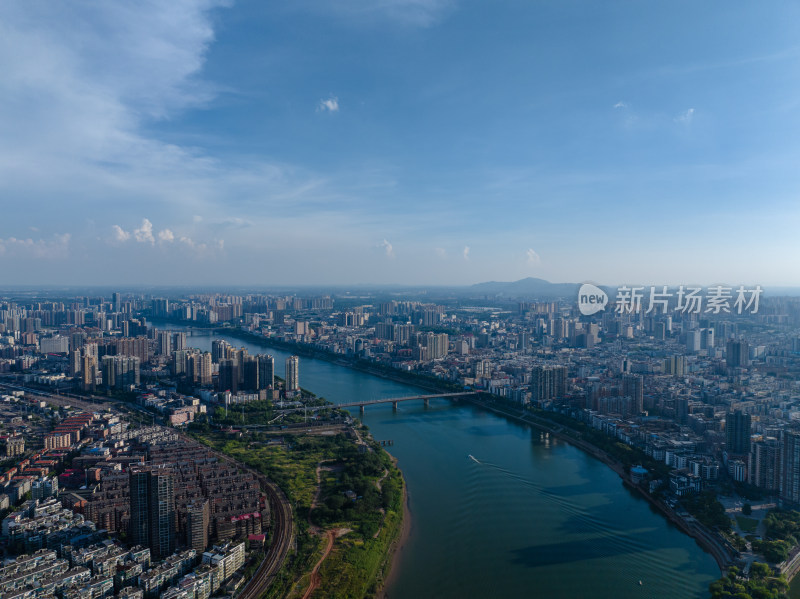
pixel 362 404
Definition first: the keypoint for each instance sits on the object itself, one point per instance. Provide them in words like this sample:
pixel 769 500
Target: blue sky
pixel 399 141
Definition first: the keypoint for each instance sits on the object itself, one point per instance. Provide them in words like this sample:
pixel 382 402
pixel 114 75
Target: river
pixel 526 515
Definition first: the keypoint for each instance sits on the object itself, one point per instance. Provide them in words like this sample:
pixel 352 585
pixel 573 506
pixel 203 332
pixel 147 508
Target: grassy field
pixel 373 510
pixel 747 525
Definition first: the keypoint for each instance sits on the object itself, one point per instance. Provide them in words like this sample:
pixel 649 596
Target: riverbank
pixel 399 545
pixel 703 538
pixel 308 351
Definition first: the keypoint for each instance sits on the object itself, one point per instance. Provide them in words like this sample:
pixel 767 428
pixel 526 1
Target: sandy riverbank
pixel 399 546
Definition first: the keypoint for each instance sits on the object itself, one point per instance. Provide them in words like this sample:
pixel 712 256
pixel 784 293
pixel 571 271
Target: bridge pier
pixel 394 406
pixel 427 403
pixel 361 409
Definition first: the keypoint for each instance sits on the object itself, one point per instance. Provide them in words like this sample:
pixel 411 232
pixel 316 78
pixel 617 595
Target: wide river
pixel 525 516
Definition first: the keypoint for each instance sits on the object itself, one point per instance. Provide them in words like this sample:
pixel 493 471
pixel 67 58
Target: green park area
pixel 360 499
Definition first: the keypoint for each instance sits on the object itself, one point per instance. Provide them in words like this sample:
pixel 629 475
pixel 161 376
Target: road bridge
pixel 362 404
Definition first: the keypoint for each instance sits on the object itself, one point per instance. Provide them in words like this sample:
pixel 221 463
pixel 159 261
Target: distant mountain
pixel 530 287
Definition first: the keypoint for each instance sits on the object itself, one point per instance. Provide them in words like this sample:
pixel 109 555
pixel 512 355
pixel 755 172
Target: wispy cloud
pixel 387 247
pixel 166 235
pixel 533 257
pixel 56 247
pixel 685 117
pixel 466 252
pixel 441 252
pixel 328 105
pixel 621 105
pixel 419 13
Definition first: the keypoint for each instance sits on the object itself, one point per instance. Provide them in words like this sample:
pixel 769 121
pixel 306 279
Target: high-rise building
pixel 707 339
pixel 693 341
pixel 179 340
pixel 89 371
pixel 250 373
pixel 164 343
pixel 682 410
pixel 140 512
pixel 206 368
pixel 120 372
pixel 633 387
pixel 152 496
pixel 737 353
pixel 437 345
pixel 266 371
pixel 74 362
pixel 674 365
pixel 764 465
pixel 200 367
pixel 220 349
pixel 548 382
pixel 197 520
pixel 228 375
pixel 790 467
pixel 292 373
pixel 737 433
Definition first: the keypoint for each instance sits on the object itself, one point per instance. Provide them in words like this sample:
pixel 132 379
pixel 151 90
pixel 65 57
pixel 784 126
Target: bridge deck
pixel 370 402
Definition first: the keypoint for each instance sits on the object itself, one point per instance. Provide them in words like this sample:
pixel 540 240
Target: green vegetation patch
pixel 748 525
pixel 707 510
pixel 360 489
pixel 762 584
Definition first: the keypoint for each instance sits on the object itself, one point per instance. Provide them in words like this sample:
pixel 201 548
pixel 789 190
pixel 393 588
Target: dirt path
pixel 315 577
pixel 381 479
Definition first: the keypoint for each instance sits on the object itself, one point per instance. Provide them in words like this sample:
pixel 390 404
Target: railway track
pixel 282 531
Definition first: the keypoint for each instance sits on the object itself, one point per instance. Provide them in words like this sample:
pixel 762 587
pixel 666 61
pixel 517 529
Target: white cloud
pixel 533 257
pixel 120 234
pixel 441 252
pixel 466 252
pixel 79 84
pixel 619 105
pixel 218 244
pixel 387 247
pixel 166 235
pixel 144 234
pixel 57 247
pixel 329 105
pixel 685 117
